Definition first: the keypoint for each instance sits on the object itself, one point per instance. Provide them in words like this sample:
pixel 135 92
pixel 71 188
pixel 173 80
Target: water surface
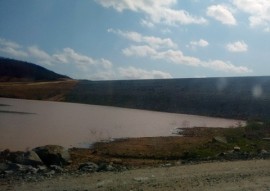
pixel 25 124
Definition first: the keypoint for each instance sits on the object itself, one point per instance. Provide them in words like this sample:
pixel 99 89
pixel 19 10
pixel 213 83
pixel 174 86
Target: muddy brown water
pixel 25 124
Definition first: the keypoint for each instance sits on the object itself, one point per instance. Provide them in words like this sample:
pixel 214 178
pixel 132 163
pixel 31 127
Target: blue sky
pixel 142 39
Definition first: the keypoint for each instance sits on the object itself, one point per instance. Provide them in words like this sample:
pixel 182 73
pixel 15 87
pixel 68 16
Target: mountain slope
pixel 238 97
pixel 14 70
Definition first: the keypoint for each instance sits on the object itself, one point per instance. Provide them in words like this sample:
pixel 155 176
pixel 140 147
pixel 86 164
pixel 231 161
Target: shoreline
pixel 199 156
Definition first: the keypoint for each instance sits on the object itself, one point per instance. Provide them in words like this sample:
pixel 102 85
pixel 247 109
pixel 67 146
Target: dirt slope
pixel 53 91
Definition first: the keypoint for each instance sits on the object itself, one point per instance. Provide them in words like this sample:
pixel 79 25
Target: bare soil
pixel 53 91
pixel 237 175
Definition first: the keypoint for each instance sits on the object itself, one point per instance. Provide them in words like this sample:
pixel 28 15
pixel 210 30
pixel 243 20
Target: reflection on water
pixel 79 125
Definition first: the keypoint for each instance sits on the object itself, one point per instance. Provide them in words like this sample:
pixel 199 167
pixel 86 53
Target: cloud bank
pixel 221 13
pixel 155 11
pixel 175 56
pixel 238 46
pixel 87 67
pixel 259 14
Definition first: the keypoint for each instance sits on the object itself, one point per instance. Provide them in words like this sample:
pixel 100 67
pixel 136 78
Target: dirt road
pixel 239 175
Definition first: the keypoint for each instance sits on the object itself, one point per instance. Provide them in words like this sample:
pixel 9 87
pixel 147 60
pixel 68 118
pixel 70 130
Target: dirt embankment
pixel 239 175
pixel 53 91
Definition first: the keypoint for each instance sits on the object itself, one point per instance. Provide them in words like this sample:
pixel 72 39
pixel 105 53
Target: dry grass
pixel 54 91
pixel 137 152
pixel 151 147
pixel 196 145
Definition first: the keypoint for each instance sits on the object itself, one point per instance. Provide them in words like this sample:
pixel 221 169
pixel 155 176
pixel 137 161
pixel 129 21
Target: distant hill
pixel 15 70
pixel 237 97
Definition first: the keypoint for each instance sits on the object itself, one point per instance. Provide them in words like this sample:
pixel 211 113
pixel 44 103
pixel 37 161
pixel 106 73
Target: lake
pixel 25 124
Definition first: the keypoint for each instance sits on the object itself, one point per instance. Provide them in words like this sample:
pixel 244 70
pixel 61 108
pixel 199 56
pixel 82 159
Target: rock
pixel 31 158
pixel 42 168
pixel 32 170
pixel 16 167
pixel 5 153
pixel 16 157
pixel 264 151
pixel 53 155
pixel 105 167
pixel 236 149
pixel 57 168
pixel 22 168
pixel 110 168
pixel 220 139
pixel 3 167
pixel 88 167
pixel 141 179
pixel 116 161
pixel 166 165
pixel 222 154
pixel 50 173
pixel 264 154
pixel 8 172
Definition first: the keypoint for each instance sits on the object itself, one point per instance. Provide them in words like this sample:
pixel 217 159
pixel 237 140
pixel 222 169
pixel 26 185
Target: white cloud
pixel 6 43
pixel 41 55
pixel 258 10
pixel 177 57
pixel 199 43
pixel 83 66
pixel 11 48
pixel 156 11
pixel 147 23
pixel 129 72
pixel 69 55
pixel 13 52
pixel 166 31
pixel 267 29
pixel 238 46
pixel 222 14
pixel 154 42
pixel 141 51
pixel 103 75
pixel 220 65
pixel 137 73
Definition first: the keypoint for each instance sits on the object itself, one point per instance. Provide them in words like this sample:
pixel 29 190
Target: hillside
pixel 25 80
pixel 237 97
pixel 15 70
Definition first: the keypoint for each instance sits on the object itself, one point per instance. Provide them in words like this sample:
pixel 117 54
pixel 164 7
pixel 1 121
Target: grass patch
pixel 197 144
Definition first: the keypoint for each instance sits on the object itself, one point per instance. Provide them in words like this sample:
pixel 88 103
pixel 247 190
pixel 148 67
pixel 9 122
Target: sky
pixel 142 39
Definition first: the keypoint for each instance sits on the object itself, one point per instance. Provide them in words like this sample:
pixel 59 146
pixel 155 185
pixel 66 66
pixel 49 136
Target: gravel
pixel 237 175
